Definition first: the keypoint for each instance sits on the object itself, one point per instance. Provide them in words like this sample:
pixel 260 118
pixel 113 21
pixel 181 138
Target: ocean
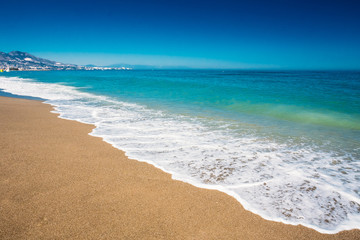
pixel 285 144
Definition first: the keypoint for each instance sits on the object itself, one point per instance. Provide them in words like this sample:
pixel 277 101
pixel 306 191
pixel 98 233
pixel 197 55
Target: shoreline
pixel 90 189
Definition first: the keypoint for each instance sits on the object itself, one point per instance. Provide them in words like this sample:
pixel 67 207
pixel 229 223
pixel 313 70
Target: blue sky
pixel 279 34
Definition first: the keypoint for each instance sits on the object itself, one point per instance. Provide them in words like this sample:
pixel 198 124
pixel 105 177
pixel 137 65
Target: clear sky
pixel 285 34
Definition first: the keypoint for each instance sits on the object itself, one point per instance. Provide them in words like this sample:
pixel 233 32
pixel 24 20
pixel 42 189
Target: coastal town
pixel 22 61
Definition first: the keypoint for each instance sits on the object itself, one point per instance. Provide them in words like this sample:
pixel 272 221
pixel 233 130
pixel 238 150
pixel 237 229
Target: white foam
pixel 290 183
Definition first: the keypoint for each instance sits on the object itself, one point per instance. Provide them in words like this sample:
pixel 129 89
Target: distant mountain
pixel 17 60
pixel 25 61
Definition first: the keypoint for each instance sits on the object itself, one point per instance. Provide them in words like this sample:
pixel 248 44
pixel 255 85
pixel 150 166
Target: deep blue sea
pixel 286 144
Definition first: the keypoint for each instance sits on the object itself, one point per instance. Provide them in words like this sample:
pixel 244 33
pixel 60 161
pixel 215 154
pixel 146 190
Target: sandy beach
pixel 57 182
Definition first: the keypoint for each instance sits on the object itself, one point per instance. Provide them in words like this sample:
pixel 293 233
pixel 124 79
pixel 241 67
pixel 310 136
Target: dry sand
pixel 57 182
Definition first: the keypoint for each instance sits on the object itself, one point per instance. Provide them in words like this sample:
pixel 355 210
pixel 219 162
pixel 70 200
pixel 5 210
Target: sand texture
pixel 57 182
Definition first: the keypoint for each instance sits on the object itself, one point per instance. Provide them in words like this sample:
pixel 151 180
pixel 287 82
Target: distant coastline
pixel 22 61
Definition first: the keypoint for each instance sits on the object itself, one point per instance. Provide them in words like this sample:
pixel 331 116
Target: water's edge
pixel 7 94
pixel 179 177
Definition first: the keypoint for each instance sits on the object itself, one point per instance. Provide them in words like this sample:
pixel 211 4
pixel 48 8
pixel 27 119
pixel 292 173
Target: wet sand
pixel 57 182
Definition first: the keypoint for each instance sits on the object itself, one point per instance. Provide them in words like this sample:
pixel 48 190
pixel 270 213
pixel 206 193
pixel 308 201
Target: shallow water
pixel 285 144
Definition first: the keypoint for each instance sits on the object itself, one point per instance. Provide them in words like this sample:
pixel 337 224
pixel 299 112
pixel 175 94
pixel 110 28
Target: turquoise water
pixel 285 144
pixel 321 98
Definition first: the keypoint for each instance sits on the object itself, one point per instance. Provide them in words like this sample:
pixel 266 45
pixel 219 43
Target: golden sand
pixel 57 182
